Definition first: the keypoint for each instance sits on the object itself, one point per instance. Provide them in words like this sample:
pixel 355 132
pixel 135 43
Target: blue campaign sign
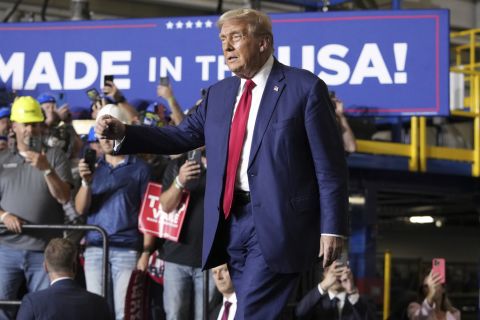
pixel 377 62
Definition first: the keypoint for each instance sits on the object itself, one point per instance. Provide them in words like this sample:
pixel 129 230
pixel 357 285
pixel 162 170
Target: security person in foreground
pixel 34 183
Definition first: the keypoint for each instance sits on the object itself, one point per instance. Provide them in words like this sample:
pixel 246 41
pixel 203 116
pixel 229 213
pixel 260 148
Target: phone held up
pixel 195 155
pixel 438 266
pixel 107 78
pixel 90 158
pixel 164 81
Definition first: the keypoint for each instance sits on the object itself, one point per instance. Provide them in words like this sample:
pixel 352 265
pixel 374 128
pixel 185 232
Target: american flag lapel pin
pixel 275 88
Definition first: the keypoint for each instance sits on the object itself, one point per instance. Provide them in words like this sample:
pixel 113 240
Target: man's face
pixel 3 144
pixel 48 107
pixel 25 131
pixel 244 53
pixel 4 125
pixel 107 146
pixel 221 276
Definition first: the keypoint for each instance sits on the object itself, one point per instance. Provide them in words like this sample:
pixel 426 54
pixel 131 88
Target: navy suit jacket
pixel 317 306
pixel 297 170
pixel 63 300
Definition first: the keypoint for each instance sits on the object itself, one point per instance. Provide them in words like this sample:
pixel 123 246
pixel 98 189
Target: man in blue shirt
pixel 111 196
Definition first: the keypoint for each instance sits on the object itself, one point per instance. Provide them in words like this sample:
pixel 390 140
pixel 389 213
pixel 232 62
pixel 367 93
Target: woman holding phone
pixel 434 303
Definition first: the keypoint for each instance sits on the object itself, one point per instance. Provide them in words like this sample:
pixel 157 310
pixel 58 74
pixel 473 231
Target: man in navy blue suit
pixel 64 299
pixel 335 297
pixel 276 167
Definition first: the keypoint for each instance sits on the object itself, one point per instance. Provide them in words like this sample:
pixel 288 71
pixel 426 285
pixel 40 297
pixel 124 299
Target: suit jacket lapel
pixel 226 108
pixel 271 94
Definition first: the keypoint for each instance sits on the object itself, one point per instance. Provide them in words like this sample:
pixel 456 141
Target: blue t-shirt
pixel 117 194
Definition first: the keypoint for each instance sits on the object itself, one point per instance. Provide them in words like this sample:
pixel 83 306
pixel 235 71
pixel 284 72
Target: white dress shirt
pixel 60 279
pixel 233 308
pixel 260 79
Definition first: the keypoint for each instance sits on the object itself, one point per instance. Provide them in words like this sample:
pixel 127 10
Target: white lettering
pixel 166 68
pixel 72 59
pixel 370 64
pixel 14 69
pixel 152 200
pixel 284 55
pixel 325 59
pixel 222 68
pixel 308 53
pixel 109 66
pixel 43 71
pixel 205 61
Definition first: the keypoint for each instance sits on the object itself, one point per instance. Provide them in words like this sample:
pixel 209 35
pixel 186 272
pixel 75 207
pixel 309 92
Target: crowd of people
pixel 247 236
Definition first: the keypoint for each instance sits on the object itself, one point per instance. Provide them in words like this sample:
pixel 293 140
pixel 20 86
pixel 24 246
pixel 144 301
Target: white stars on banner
pixel 172 25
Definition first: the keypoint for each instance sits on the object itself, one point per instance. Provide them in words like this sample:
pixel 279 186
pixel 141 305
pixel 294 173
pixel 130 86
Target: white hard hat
pixel 114 111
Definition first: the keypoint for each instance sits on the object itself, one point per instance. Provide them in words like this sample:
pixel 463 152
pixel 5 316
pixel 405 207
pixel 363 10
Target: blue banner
pixel 377 62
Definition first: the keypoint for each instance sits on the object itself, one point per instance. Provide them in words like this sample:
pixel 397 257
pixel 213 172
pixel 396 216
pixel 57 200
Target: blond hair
pixel 259 24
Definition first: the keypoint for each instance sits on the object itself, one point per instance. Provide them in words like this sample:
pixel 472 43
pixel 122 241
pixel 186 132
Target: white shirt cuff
pixel 117 144
pixel 334 235
pixel 320 290
pixel 353 298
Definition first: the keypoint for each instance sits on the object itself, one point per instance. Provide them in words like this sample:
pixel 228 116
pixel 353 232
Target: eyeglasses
pixel 234 38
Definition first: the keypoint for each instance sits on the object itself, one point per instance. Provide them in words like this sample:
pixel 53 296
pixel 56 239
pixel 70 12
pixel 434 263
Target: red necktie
pixel 235 144
pixel 226 310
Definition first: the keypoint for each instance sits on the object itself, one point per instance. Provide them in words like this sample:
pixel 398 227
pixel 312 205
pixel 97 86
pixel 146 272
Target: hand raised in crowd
pixel 96 106
pixel 108 127
pixel 330 249
pixel 434 283
pixel 190 170
pixel 333 275
pixel 37 160
pixel 165 92
pixel 13 223
pixel 347 281
pixel 338 106
pixel 64 113
pixel 112 91
pixel 84 171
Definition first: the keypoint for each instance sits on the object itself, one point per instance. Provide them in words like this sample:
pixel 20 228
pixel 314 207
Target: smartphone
pixel 90 158
pixel 35 145
pixel 107 78
pixel 164 81
pixel 93 94
pixel 195 155
pixel 438 266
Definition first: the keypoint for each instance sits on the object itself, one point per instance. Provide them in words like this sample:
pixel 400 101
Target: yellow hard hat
pixel 26 110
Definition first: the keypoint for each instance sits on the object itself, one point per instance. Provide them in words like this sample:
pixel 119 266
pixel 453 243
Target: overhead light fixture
pixel 421 219
pixel 357 200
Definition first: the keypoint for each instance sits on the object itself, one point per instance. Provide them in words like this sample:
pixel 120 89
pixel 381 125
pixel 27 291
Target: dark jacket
pixel 63 300
pixel 316 306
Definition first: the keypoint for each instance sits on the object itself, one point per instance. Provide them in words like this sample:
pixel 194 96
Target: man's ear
pixel 45 266
pixel 263 44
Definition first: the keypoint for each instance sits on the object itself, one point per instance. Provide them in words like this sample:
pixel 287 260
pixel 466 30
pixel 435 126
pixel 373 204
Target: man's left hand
pixel 330 248
pixel 37 160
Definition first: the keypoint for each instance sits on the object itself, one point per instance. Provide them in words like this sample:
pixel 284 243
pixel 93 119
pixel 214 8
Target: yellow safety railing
pixel 418 151
pixel 386 284
pixel 394 148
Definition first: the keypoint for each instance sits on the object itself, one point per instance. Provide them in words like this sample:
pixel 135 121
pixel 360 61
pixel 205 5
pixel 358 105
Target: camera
pixel 93 94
